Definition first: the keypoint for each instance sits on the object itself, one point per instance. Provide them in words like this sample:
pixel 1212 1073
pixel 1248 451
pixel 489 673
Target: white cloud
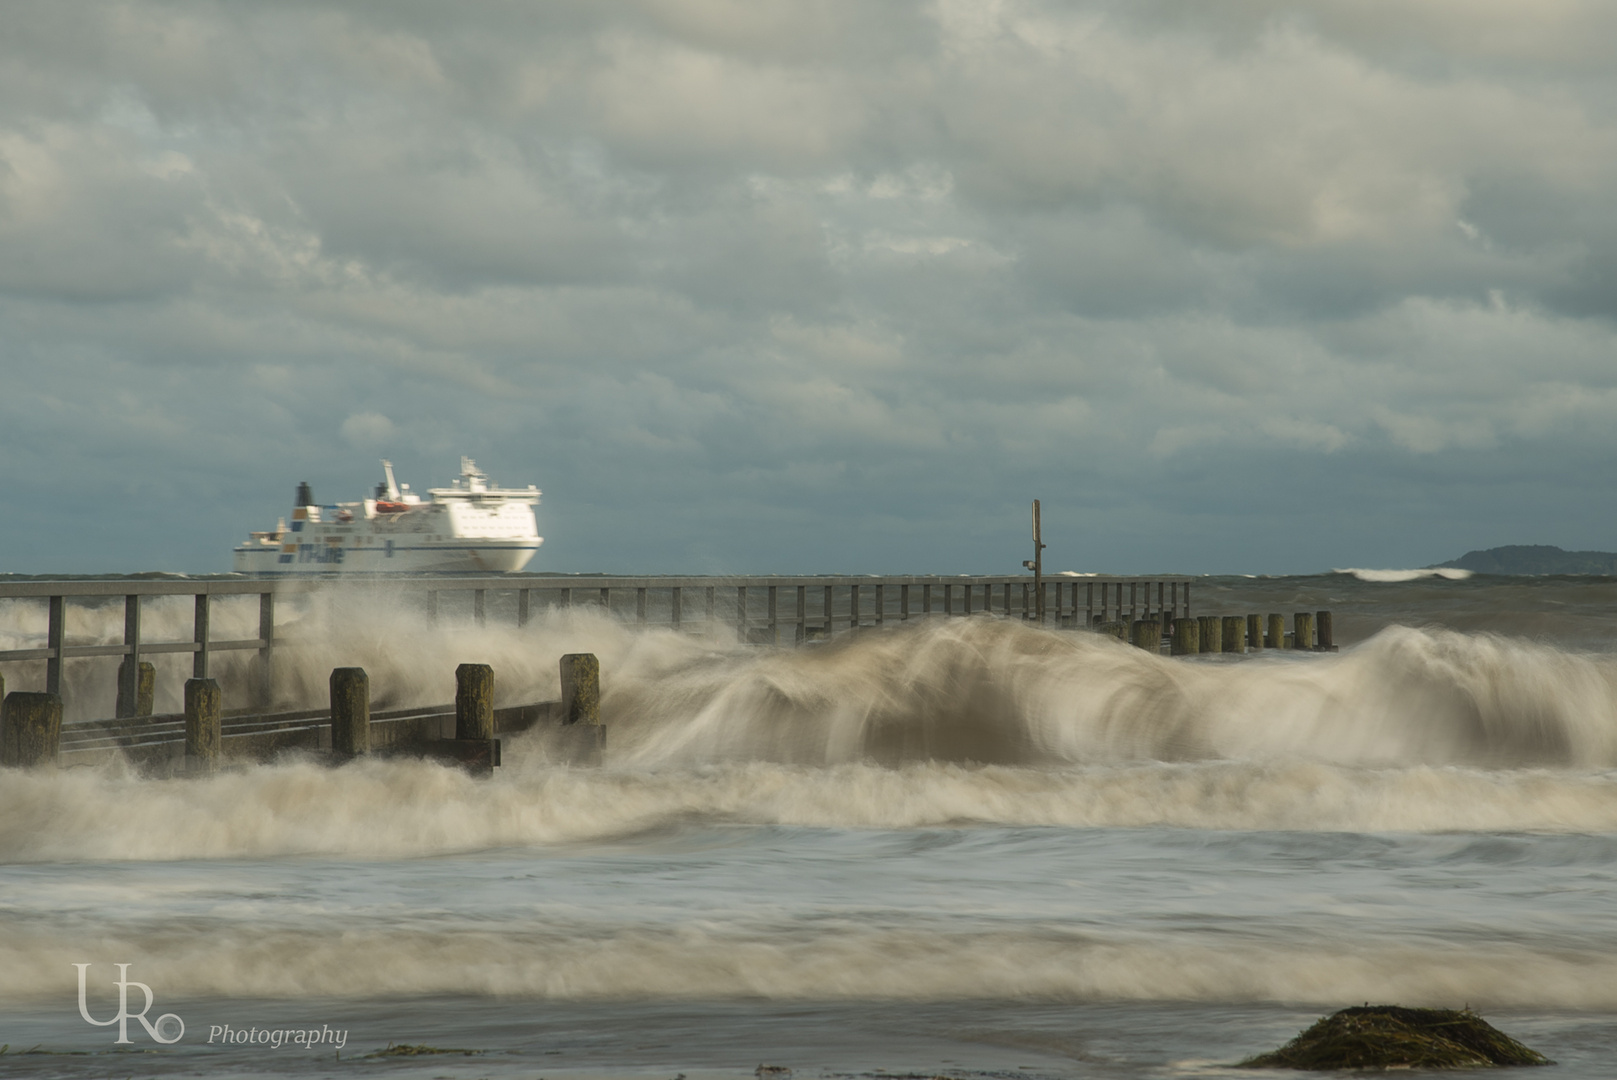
pixel 369 431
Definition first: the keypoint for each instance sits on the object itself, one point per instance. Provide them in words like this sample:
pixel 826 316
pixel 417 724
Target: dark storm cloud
pixel 709 270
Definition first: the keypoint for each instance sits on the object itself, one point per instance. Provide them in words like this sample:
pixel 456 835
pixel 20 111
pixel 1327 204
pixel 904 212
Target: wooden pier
pixel 761 609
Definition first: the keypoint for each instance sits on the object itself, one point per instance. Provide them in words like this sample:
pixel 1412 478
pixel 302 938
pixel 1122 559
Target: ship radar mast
pixel 392 492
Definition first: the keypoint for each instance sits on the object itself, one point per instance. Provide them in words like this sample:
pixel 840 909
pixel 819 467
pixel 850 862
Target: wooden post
pixel 136 699
pixel 199 635
pixel 474 701
pixel 1148 635
pixel 30 728
pixel 1254 632
pixel 129 670
pixel 903 603
pixel 351 711
pixel 1162 608
pixel 1186 639
pixel 202 732
pixel 741 612
pixel 1187 599
pixel 263 693
pixel 1134 602
pixel 1277 632
pixel 1175 597
pixel 881 603
pixel 926 599
pixel 55 632
pixel 774 625
pixel 522 607
pixel 606 601
pixel 479 615
pixel 948 599
pixel 580 689
pixel 802 614
pixel 1302 625
pixel 853 607
pixel 1327 639
pixel 1089 603
pixel 1212 638
pixel 828 605
pixel 1234 634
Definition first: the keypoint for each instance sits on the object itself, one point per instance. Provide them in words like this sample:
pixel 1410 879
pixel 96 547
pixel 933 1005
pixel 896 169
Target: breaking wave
pixel 947 721
pixel 1448 573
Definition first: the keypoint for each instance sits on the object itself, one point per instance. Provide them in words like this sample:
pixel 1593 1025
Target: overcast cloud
pixel 794 286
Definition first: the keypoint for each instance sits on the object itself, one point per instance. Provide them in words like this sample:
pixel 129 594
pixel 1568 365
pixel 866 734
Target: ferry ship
pixel 469 527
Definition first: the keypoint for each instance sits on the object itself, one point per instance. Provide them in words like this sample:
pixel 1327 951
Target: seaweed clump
pixel 1390 1036
pixel 417 1050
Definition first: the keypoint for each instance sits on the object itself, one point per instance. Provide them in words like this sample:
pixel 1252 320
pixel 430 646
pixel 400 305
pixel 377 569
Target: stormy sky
pixel 796 286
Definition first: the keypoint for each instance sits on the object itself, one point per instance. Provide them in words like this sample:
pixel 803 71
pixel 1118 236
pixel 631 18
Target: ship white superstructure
pixel 470 527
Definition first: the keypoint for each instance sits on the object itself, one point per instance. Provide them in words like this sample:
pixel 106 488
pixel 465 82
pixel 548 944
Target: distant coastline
pixel 1533 559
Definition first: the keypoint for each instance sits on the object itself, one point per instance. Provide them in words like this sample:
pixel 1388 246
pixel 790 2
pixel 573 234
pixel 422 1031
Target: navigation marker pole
pixel 1036 564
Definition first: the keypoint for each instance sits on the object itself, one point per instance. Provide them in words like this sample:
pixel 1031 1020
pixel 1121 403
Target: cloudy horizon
pixel 756 286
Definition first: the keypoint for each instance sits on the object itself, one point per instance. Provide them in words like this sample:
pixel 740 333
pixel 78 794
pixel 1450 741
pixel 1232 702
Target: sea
pixel 961 847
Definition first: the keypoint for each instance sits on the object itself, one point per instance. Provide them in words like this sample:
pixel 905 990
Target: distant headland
pixel 1534 559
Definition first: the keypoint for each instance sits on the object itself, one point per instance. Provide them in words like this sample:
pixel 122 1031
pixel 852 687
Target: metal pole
pixel 129 670
pixel 54 633
pixel 265 690
pixel 199 661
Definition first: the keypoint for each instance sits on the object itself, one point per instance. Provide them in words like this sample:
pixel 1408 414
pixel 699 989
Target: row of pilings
pixel 1311 632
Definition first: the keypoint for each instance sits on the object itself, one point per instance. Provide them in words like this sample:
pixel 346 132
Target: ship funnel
pixel 305 494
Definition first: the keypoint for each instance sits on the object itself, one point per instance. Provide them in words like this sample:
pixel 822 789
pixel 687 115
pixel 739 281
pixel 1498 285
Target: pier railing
pixel 761 609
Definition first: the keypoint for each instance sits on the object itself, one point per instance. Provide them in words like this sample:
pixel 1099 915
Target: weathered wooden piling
pixel 351 711
pixel 1302 632
pixel 1277 632
pixel 580 689
pixel 474 701
pixel 1254 631
pixel 203 735
pixel 30 728
pixel 136 694
pixel 1148 634
pixel 1327 639
pixel 1212 636
pixel 1234 634
pixel 1186 637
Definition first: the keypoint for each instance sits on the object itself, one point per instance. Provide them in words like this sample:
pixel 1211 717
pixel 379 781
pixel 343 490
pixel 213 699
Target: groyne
pixel 50 619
